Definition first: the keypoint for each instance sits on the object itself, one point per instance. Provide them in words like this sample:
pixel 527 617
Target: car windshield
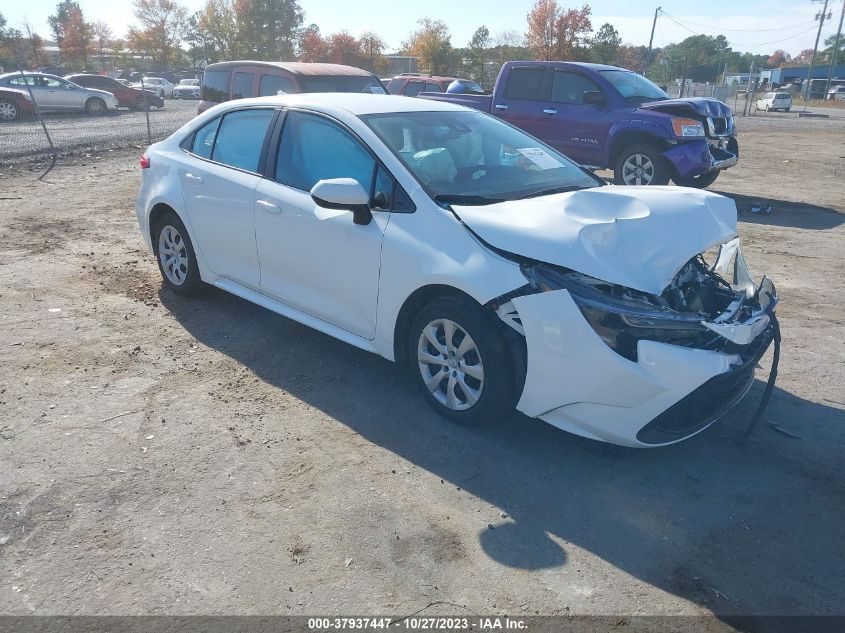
pixel 633 87
pixel 473 158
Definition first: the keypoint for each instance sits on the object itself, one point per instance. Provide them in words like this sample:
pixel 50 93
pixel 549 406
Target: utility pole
pixel 651 40
pixel 835 51
pixel 820 17
pixel 683 78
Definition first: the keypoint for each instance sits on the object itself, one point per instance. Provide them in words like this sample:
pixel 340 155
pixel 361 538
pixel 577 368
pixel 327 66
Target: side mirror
pixel 345 194
pixel 595 97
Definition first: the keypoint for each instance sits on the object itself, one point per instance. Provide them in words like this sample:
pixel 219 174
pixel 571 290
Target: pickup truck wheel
pixel 699 182
pixel 641 164
pixel 461 361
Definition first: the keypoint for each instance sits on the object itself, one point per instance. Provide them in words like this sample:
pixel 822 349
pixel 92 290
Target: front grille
pixel 710 401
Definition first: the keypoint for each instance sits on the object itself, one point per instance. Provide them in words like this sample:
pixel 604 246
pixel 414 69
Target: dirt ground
pixel 168 456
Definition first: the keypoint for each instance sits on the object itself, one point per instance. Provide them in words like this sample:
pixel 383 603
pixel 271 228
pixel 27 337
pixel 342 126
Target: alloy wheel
pixel 450 364
pixel 173 254
pixel 638 170
pixel 8 111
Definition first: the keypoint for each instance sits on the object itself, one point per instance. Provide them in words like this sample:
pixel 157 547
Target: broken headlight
pixel 623 317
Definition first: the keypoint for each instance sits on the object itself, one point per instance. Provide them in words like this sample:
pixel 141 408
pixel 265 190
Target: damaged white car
pixel 504 274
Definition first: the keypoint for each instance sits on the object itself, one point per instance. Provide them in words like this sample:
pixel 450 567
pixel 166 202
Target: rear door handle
pixel 501 106
pixel 549 111
pixel 194 178
pixel 268 206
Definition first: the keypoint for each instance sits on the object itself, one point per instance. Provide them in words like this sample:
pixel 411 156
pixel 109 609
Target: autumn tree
pixel 76 39
pixel 268 29
pixel 431 44
pixel 572 28
pixel 162 27
pixel 541 37
pixel 343 48
pixel 477 52
pixel 803 58
pixel 102 36
pixel 508 46
pixel 631 57
pixel 372 53
pixel 777 59
pixel 604 45
pixel 213 29
pixel 59 18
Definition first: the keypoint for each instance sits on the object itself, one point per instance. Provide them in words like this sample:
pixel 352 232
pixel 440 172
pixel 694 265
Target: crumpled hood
pixel 639 237
pixel 703 106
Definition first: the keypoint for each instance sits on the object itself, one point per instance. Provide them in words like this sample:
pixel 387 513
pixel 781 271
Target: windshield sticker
pixel 541 158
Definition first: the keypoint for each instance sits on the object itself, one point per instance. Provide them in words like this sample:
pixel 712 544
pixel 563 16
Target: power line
pixel 780 39
pixel 715 28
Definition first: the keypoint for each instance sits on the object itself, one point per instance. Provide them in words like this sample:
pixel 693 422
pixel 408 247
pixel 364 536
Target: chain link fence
pixel 59 132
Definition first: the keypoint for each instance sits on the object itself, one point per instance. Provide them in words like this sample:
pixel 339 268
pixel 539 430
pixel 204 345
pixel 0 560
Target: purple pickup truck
pixel 608 117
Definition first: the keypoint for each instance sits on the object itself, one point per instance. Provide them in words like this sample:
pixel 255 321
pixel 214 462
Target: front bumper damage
pixel 701 157
pixel 651 392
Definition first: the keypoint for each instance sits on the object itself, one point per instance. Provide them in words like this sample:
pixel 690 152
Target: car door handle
pixel 268 206
pixel 501 106
pixel 549 111
pixel 194 178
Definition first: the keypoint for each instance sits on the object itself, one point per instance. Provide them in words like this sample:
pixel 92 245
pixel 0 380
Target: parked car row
pixel 88 93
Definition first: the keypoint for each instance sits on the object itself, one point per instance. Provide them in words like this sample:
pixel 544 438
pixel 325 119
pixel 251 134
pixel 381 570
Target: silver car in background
pixel 159 85
pixel 54 93
pixel 187 89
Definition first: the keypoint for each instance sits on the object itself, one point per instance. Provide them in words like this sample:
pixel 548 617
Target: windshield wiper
pixel 456 198
pixel 553 190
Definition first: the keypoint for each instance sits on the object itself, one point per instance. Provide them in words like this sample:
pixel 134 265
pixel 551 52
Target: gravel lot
pixel 163 455
pixel 73 130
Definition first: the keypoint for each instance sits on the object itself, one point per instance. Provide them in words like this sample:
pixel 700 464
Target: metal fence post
pixel 147 113
pixel 41 121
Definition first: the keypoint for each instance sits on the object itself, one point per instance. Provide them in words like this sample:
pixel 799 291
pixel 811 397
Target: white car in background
pixel 159 85
pixel 186 89
pixel 775 101
pixel 505 275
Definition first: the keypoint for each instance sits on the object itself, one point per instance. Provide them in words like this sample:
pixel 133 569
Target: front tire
pixel 641 164
pixel 175 255
pixel 461 362
pixel 95 106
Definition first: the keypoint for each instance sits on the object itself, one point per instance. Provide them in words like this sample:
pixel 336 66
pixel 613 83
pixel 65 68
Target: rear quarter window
pixel 273 84
pixel 215 85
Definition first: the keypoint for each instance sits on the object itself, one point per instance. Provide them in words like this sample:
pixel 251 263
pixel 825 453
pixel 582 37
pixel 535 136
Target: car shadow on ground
pixel 736 529
pixel 785 212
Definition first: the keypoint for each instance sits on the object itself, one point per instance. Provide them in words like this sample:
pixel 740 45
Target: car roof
pixel 28 73
pixel 296 68
pixel 353 103
pixel 589 65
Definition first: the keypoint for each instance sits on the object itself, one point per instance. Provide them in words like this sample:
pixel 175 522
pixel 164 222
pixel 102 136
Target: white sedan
pixel 159 85
pixel 504 274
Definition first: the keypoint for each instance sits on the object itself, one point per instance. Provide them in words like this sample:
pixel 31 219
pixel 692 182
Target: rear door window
pixel 432 87
pixel 273 84
pixel 242 86
pixel 569 87
pixel 215 85
pixel 241 137
pixel 526 83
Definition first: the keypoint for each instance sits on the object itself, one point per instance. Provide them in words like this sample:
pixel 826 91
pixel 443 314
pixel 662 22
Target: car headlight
pixel 687 127
pixel 621 322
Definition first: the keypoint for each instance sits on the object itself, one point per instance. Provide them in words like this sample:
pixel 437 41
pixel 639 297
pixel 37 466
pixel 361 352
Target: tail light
pixel 145 161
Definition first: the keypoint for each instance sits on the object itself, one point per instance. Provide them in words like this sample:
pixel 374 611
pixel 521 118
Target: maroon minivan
pixel 241 79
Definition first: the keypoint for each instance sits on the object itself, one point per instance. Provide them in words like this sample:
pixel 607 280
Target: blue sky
pixel 759 26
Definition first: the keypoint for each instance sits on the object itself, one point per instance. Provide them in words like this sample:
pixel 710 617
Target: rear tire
pixel 95 106
pixel 697 182
pixel 8 111
pixel 641 164
pixel 460 361
pixel 177 261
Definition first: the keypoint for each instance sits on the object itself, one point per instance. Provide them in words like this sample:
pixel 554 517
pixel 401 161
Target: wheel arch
pixel 626 138
pixel 412 305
